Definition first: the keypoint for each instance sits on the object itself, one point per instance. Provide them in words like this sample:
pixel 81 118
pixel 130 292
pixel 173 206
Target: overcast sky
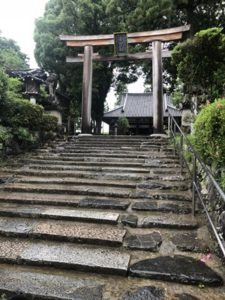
pixel 17 18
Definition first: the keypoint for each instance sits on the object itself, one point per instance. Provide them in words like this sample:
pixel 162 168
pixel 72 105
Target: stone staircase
pixel 103 218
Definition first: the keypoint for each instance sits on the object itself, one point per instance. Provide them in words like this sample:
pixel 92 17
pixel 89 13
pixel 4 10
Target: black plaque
pixel 121 45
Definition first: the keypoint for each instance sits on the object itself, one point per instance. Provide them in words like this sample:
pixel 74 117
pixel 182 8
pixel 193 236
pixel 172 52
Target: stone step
pixel 168 221
pixel 76 174
pixel 32 284
pixel 65 231
pixel 68 189
pixel 77 181
pixel 64 200
pixel 64 255
pixel 107 155
pixel 83 163
pixel 58 213
pixel 87 168
pixel 165 207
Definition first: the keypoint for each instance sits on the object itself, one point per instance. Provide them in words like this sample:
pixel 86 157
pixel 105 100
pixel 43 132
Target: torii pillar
pixel 157 87
pixel 87 89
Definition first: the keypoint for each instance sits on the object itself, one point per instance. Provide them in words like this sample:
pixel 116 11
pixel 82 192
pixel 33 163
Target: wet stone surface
pixel 145 293
pixel 189 242
pixel 130 220
pixel 150 185
pixel 105 204
pixel 49 286
pixel 185 297
pixel 176 222
pixel 179 268
pixel 75 257
pixel 167 207
pixel 150 242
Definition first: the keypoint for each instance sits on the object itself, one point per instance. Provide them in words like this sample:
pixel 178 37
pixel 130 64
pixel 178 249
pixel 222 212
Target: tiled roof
pixel 138 105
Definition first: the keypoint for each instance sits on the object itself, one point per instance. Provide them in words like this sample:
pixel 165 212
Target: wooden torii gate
pixel 88 42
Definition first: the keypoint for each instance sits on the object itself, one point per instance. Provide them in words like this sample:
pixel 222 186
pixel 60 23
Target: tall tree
pixel 73 17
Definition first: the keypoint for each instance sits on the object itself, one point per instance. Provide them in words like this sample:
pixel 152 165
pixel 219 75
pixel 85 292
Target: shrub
pixel 123 125
pixel 5 134
pixel 22 113
pixel 209 133
pixel 48 127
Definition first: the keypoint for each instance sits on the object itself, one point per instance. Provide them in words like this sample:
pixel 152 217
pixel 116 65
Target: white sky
pixel 17 19
pixel 17 22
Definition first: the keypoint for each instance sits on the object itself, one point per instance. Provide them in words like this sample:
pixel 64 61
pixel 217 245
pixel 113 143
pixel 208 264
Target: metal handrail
pixel 173 128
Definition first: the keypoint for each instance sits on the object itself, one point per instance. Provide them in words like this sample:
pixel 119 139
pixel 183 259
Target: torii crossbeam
pixel 156 37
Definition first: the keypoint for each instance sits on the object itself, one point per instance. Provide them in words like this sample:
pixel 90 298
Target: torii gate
pixel 88 42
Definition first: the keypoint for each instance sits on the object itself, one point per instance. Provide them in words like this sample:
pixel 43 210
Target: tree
pixel 73 17
pixel 200 63
pixel 11 56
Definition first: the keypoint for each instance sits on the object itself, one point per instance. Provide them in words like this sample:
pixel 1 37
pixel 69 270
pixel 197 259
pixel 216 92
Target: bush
pixel 22 113
pixel 123 125
pixel 209 133
pixel 5 134
pixel 48 127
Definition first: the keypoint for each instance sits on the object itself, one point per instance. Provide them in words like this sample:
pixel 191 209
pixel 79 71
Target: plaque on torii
pixel 120 54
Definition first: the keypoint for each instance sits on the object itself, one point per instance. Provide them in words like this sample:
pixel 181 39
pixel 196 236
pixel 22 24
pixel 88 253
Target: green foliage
pixel 5 134
pixel 3 86
pixel 209 133
pixel 200 63
pixel 123 125
pixel 11 56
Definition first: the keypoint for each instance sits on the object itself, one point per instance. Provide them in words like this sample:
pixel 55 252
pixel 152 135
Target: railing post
pixel 169 130
pixel 181 153
pixel 194 177
pixel 174 136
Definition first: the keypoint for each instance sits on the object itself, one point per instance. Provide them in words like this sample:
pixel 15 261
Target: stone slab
pixel 149 242
pixel 47 286
pixel 145 293
pixel 92 216
pixel 68 189
pixel 101 260
pixel 59 213
pixel 79 232
pixel 185 296
pixel 190 242
pixel 104 203
pixel 62 231
pixel 162 207
pixel 130 220
pixel 175 221
pixel 181 269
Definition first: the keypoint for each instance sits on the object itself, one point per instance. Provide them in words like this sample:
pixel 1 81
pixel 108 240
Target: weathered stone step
pixel 16 280
pixel 64 255
pixel 161 195
pixel 84 163
pixel 179 268
pixel 82 158
pixel 76 174
pixel 102 155
pixel 159 185
pixel 58 213
pixel 87 168
pixel 65 200
pixel 62 231
pixel 169 221
pixel 77 181
pixel 165 207
pixel 68 189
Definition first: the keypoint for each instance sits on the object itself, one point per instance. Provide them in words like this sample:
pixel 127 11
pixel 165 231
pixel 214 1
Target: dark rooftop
pixel 134 105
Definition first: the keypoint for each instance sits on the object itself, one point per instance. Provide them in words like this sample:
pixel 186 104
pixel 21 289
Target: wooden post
pixel 157 87
pixel 87 89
